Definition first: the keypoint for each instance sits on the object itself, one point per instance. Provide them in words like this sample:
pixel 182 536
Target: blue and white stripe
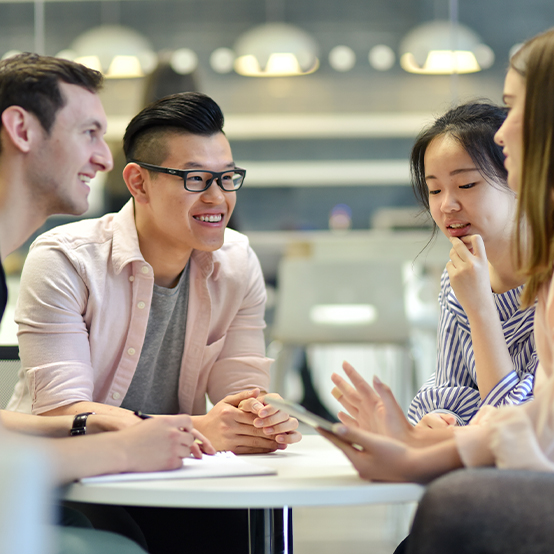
pixel 453 387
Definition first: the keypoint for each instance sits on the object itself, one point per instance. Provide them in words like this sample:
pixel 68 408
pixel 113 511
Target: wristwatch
pixel 80 424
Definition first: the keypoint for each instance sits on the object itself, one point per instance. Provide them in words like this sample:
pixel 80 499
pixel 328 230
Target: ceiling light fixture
pixel 276 50
pixel 444 48
pixel 119 52
pixel 342 58
pixel 222 60
pixel 381 57
pixel 184 61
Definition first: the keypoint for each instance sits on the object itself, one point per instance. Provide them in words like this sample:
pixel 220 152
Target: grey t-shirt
pixel 155 384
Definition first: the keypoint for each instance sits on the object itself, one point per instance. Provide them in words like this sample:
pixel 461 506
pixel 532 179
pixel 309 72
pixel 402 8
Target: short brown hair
pixel 33 82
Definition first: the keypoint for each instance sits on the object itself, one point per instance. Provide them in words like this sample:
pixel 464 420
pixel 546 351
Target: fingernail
pixel 258 423
pixel 263 413
pixel 339 429
pixel 269 430
pixel 280 438
pixel 258 406
pixel 377 380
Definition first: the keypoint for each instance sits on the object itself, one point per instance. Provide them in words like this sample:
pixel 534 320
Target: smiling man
pixel 157 305
pixel 52 127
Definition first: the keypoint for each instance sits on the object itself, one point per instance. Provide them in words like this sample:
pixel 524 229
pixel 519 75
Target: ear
pixel 21 127
pixel 134 175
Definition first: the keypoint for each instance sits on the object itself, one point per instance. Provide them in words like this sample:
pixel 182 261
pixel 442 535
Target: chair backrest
pixel 324 300
pixel 351 269
pixel 9 368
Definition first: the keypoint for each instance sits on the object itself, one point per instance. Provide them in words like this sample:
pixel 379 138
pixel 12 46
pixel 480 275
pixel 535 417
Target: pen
pixel 138 413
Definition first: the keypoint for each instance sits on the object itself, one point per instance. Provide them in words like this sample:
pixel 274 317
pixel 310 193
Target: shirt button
pixel 131 351
pixel 132 278
pixel 116 396
pixel 141 305
pixel 144 269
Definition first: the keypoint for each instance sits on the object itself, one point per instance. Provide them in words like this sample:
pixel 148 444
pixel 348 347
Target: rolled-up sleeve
pixel 53 337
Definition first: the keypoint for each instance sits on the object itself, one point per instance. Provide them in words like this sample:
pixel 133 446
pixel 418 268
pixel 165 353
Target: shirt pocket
pixel 212 352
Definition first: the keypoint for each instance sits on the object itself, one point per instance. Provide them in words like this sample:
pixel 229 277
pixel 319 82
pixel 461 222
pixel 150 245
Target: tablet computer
pixel 299 412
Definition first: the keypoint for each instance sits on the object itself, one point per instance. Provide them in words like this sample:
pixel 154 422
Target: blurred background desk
pixel 310 473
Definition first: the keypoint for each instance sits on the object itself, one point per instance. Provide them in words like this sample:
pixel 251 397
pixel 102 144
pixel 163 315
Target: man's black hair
pixel 185 112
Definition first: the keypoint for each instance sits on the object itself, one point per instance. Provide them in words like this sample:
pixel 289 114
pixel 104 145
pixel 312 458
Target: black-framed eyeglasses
pixel 199 180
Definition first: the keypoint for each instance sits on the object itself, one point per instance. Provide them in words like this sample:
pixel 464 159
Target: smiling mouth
pixel 209 218
pixel 84 178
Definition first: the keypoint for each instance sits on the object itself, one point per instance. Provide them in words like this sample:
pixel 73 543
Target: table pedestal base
pixel 270 530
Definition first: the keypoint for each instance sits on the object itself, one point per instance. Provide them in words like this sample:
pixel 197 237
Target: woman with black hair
pixel 486 350
pixel 485 344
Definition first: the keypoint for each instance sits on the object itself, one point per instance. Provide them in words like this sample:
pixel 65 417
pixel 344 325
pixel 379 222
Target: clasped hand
pixel 244 423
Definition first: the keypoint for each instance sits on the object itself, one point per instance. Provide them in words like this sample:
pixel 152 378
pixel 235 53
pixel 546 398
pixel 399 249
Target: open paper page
pixel 222 464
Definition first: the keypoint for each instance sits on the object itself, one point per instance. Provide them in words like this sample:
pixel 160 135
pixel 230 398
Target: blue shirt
pixel 453 387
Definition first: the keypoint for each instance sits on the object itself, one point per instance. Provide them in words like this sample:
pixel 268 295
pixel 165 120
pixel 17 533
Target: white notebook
pixel 222 464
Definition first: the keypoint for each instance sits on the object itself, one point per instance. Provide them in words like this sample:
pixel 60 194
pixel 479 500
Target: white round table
pixel 310 473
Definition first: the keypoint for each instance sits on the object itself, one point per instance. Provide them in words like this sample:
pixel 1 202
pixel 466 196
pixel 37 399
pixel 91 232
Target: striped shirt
pixel 453 387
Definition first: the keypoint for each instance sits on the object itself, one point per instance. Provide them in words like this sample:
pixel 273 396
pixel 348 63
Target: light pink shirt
pixel 83 309
pixel 519 437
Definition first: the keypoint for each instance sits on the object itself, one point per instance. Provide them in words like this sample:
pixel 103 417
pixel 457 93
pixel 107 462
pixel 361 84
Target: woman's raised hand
pixel 373 409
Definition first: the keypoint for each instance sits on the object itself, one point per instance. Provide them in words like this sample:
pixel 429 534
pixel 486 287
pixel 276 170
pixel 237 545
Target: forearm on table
pixel 35 425
pixel 72 458
pixel 77 457
pixel 434 461
pixel 96 407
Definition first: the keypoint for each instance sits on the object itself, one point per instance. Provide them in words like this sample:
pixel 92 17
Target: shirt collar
pixel 126 245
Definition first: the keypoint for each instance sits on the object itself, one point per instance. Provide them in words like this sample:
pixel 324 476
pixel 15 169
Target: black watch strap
pixel 80 424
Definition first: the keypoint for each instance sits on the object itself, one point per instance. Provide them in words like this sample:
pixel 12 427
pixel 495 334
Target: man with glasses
pixel 151 308
pixel 157 305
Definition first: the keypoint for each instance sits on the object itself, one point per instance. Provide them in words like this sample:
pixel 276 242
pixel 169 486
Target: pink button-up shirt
pixel 83 310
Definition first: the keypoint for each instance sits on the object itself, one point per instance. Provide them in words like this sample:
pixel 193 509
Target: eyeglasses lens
pixel 201 180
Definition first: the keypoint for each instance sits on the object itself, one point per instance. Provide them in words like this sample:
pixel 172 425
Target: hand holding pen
pixel 201 443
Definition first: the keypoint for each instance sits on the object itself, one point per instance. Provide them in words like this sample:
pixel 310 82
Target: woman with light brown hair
pixel 489 510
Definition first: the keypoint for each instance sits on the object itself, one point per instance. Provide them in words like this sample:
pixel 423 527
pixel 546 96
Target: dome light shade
pixel 119 52
pixel 441 48
pixel 275 50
